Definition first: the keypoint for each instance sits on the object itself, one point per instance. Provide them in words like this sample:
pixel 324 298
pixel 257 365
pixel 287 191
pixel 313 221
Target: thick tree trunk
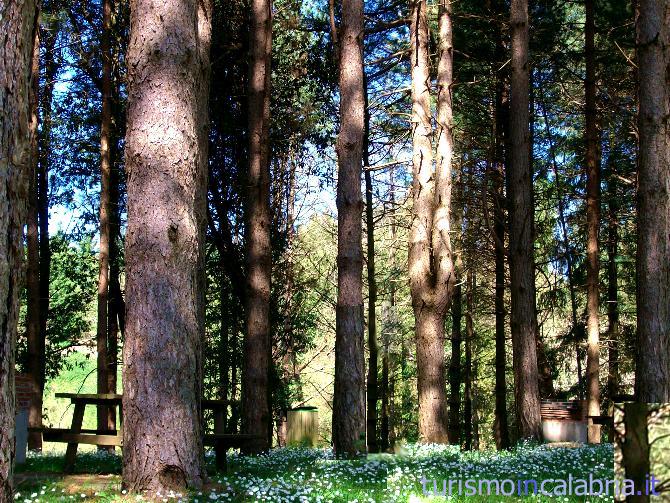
pixel 168 62
pixel 455 368
pixel 105 211
pixel 653 214
pixel 431 266
pixel 256 415
pixel 522 271
pixel 349 392
pixel 373 347
pixel 431 376
pixel 592 226
pixel 33 262
pixel 17 22
pixel 635 449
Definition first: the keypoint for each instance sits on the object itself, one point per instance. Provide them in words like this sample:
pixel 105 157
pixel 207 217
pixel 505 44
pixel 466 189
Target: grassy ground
pixel 313 475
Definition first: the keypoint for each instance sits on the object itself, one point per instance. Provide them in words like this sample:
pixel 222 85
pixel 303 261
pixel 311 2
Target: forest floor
pixel 300 474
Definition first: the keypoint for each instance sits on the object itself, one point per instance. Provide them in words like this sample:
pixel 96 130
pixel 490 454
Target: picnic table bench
pixel 76 435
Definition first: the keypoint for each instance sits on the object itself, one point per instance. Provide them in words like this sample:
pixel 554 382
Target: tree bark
pixel 33 262
pixel 521 214
pixel 168 77
pixel 592 225
pixel 431 265
pixel 105 210
pixel 653 215
pixel 256 418
pixel 17 22
pixel 373 347
pixel 349 392
pixel 635 449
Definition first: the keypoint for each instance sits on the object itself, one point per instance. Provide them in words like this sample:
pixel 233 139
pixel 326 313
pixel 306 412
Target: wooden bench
pixel 76 435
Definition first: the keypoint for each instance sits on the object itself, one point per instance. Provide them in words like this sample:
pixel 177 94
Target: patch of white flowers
pixel 314 475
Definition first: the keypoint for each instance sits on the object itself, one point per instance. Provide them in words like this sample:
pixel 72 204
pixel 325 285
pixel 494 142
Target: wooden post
pixel 71 452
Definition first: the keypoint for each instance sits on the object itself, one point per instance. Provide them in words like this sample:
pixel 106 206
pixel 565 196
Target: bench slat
pixel 86 438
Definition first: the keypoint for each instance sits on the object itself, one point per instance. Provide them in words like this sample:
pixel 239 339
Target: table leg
pixel 219 447
pixel 221 463
pixel 71 452
pixel 119 427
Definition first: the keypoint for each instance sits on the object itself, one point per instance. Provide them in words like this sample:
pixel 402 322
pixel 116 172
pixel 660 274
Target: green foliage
pixel 73 284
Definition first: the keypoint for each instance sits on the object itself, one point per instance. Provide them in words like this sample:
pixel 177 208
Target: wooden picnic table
pixel 76 435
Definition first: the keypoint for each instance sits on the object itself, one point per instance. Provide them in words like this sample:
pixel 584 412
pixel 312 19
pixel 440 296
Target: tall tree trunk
pixel 44 147
pixel 469 335
pixel 33 262
pixel 220 419
pixel 105 210
pixel 612 293
pixel 349 392
pixel 635 449
pixel 17 18
pixel 256 417
pixel 652 375
pixel 455 367
pixel 431 266
pixel 388 330
pixel 501 112
pixel 592 225
pixel 168 63
pixel 385 388
pixel 372 391
pixel 521 215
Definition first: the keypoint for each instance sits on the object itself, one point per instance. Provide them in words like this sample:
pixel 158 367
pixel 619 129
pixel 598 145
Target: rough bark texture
pixel 34 366
pixel 635 449
pixel 373 347
pixel 431 268
pixel 17 24
pixel 256 416
pixel 522 271
pixel 349 391
pixel 168 72
pixel 653 215
pixel 105 211
pixel 592 226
